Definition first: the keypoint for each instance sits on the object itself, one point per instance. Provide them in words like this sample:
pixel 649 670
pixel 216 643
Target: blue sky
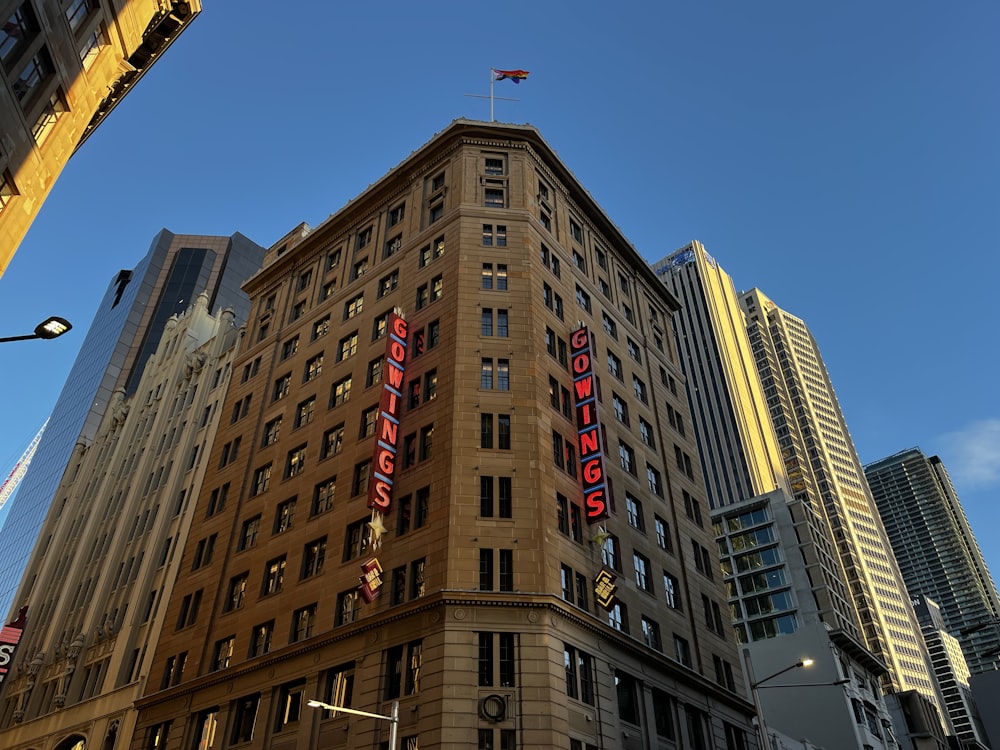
pixel 843 158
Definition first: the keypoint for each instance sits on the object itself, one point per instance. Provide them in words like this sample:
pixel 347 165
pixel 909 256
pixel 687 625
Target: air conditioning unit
pixel 493 707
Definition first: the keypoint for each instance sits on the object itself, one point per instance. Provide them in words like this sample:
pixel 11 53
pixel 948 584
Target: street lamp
pixel 765 740
pixel 393 718
pixel 48 329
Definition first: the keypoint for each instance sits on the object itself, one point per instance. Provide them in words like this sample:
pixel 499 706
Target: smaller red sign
pixel 371 581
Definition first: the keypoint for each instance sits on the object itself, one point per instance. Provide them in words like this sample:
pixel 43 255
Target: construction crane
pixel 20 468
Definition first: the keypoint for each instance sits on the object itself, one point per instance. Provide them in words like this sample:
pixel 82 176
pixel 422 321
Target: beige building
pixel 64 65
pixel 830 464
pixel 487 630
pixel 111 552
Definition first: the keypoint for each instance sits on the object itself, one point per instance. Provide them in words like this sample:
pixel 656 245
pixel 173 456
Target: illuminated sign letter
pixel 595 489
pixel 387 427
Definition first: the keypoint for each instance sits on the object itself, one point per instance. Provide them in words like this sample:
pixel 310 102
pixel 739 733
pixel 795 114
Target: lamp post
pixel 765 740
pixel 48 329
pixel 393 718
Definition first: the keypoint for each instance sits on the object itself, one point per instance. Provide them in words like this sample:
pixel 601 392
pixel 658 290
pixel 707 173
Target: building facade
pixel 125 332
pixel 456 391
pixel 810 414
pixel 109 554
pixel 938 554
pixel 952 675
pixel 64 65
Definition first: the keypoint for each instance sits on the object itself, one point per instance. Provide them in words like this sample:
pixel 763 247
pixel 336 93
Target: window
pixel 281 386
pixel 340 392
pixel 203 551
pixel 248 533
pixel 579 261
pixel 388 283
pixel 633 350
pixel 626 457
pixel 304 412
pixel 682 650
pixel 314 367
pixel 236 592
pixel 675 418
pixel 295 461
pixel 304 280
pixel 250 369
pixel 261 480
pixel 494 166
pixel 654 480
pixel 663 715
pixel 313 557
pixel 392 246
pixel 338 686
pixel 369 418
pixel 692 508
pixel 626 688
pixel 76 14
pixel 283 515
pixel 332 260
pixel 274 576
pixel 646 431
pixel 323 495
pixel 403 667
pixel 229 452
pixel 618 617
pixel 583 299
pixel 260 639
pixel 436 211
pixel 303 622
pixel 359 484
pixel 702 559
pixel 610 554
pixel 356 540
pixel 223 653
pixel 503 432
pixel 363 238
pixel 426 442
pixel 640 390
pixel 651 634
pixel 486 328
pixel 579 674
pixel 497 659
pixel 620 408
pixel 662 529
pixel 348 346
pixel 614 365
pixel 486 570
pixel 354 307
pixel 395 215
pixel 321 327
pixel 633 509
pixel 629 315
pixel 290 702
pixel 551 261
pixel 502 328
pixel 643 579
pixel 298 310
pixel 486 431
pixel 189 610
pixel 671 590
pixel 575 231
pixel 494 235
pixel 423 296
pixel 347 607
pixel 244 719
pixel 493 194
pixel 333 441
pixel 38 69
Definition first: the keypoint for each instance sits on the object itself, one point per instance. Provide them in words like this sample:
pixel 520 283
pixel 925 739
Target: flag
pixel 515 75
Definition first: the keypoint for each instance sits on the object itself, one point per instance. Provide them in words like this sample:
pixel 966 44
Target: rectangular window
pixel 583 299
pixel 348 346
pixel 295 462
pixel 283 515
pixel 340 392
pixel 248 533
pixel 333 441
pixel 313 557
pixel 303 623
pixel 261 480
pixel 260 639
pixel 304 412
pixel 643 579
pixel 651 634
pixel 323 495
pixel 244 712
pixel 236 592
pixel 274 576
pixel 222 654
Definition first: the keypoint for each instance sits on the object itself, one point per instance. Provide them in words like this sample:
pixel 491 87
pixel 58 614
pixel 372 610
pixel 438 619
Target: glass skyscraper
pixel 122 336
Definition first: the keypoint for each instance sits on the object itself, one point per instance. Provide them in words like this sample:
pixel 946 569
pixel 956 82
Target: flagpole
pixel 492 76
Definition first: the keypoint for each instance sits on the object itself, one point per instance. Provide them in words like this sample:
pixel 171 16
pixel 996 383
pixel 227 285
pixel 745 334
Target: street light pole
pixel 393 718
pixel 48 329
pixel 765 739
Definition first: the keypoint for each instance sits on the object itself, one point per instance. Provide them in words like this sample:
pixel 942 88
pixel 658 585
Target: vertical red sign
pixel 595 487
pixel 387 427
pixel 9 637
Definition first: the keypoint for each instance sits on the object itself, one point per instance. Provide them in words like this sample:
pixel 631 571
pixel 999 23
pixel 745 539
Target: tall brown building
pixel 468 594
pixel 64 65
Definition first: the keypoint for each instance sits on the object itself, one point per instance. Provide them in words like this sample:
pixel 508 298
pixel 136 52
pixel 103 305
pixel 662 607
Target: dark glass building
pixel 124 333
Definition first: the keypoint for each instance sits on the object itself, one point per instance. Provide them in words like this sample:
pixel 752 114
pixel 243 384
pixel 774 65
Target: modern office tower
pixel 110 553
pixel 64 65
pixel 125 332
pixel 952 674
pixel 794 395
pixel 408 521
pixel 937 551
pixel 830 462
pixel 740 448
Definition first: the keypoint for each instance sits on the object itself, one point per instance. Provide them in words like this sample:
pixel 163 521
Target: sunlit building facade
pixel 458 490
pixel 64 65
pixel 938 554
pixel 125 332
pixel 110 553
